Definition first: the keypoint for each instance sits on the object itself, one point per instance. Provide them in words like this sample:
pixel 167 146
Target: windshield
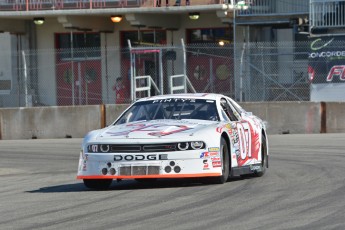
pixel 171 108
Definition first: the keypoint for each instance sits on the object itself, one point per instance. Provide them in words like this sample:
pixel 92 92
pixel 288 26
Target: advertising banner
pixel 326 68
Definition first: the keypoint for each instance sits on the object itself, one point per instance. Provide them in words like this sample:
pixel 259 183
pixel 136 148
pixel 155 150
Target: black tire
pixel 224 154
pixel 264 157
pixel 98 184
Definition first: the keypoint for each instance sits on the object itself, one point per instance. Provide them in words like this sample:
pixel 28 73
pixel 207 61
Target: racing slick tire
pixel 97 184
pixel 224 154
pixel 264 157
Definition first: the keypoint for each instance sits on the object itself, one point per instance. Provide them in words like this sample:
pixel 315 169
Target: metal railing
pixel 145 85
pixel 327 14
pixel 38 5
pixel 273 7
pixel 180 83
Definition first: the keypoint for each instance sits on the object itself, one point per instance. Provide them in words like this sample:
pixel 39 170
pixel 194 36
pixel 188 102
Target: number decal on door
pixel 245 140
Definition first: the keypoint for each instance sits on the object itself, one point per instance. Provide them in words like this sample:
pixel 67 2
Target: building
pixel 70 52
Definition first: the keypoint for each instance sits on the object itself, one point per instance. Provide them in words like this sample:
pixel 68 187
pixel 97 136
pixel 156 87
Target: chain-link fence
pixel 273 71
pixel 259 72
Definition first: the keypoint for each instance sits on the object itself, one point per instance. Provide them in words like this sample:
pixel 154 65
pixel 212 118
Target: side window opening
pixel 228 110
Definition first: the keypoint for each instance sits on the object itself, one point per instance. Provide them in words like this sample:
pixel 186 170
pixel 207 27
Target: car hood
pixel 168 129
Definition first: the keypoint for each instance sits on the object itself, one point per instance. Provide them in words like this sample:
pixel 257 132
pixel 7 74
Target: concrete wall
pixel 335 117
pixel 49 122
pixel 112 112
pixel 76 121
pixel 288 117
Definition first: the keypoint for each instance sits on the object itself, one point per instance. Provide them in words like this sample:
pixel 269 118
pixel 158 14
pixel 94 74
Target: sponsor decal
pixel 237 152
pixel 338 71
pixel 216 164
pixel 228 126
pixel 219 129
pixel 209 154
pixel 326 62
pixel 84 166
pixel 140 157
pixel 255 167
pixel 319 44
pixel 213 149
pixel 234 136
pixel 206 166
pixel 183 100
pixel 94 148
pixel 215 159
pixel 152 129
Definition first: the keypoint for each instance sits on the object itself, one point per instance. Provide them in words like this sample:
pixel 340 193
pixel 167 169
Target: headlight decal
pixel 197 144
pixel 104 148
pixel 137 148
pixel 183 146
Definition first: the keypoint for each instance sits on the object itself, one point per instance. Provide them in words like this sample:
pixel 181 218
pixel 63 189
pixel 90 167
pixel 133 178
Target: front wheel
pixel 264 157
pixel 224 156
pixel 97 183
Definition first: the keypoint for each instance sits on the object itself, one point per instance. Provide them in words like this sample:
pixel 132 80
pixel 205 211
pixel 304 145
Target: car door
pixel 248 144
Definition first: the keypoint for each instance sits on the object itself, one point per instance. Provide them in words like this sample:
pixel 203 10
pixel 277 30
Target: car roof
pixel 207 96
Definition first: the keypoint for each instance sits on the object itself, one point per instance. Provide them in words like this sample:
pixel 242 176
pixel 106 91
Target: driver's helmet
pixel 223 104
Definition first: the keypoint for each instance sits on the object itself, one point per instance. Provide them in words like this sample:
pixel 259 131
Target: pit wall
pixel 76 121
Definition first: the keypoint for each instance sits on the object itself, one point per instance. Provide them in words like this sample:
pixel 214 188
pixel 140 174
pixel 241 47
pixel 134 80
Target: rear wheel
pixel 97 184
pixel 264 157
pixel 224 156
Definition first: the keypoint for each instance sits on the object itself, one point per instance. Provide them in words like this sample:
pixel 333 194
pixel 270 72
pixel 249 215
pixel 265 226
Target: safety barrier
pixel 76 121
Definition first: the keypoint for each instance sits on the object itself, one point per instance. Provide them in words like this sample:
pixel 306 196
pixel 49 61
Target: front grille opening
pixel 125 148
pixel 162 148
pixel 138 170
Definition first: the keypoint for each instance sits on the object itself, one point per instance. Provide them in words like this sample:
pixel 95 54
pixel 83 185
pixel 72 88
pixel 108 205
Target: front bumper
pixel 188 164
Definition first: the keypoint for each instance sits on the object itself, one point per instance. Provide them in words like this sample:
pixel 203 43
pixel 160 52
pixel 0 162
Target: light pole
pixel 240 5
pixel 105 32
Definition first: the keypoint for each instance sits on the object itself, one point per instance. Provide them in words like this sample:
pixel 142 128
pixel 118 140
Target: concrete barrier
pixel 49 122
pixel 76 121
pixel 113 111
pixel 288 117
pixel 335 117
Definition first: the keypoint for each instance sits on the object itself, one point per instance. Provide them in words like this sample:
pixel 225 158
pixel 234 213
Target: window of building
pixel 209 35
pixel 85 45
pixel 143 38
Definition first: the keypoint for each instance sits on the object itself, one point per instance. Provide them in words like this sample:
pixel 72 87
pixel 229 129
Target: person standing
pixel 120 91
pixel 158 3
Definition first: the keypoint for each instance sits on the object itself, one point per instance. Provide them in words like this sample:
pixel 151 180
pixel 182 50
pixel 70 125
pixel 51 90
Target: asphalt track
pixel 304 188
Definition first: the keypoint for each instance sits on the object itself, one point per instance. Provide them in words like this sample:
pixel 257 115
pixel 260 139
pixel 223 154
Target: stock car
pixel 204 136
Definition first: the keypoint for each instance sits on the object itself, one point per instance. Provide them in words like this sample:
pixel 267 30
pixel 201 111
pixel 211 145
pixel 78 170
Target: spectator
pixel 158 3
pixel 120 91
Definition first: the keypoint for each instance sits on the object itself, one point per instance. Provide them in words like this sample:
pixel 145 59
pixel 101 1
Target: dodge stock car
pixel 206 136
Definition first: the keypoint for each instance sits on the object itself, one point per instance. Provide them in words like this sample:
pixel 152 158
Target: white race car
pixel 176 136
